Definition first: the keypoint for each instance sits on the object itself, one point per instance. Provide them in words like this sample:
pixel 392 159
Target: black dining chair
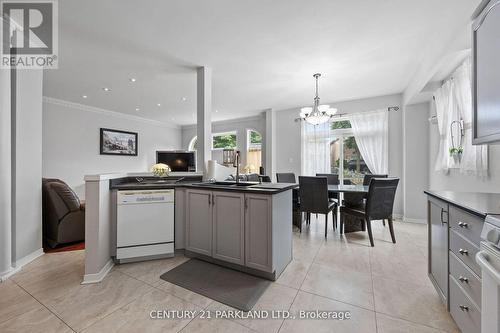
pixel 333 179
pixel 265 179
pixel 367 178
pixel 357 199
pixel 313 194
pixel 379 206
pixel 286 177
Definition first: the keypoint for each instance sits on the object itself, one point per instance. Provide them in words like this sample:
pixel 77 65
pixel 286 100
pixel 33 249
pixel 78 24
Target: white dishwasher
pixel 144 225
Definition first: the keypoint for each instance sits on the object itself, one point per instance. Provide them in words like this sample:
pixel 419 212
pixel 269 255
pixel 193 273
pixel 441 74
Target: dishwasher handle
pixel 482 260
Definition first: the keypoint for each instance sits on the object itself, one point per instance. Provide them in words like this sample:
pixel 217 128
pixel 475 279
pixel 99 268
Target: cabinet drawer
pixel 466 224
pixel 469 281
pixel 466 315
pixel 465 251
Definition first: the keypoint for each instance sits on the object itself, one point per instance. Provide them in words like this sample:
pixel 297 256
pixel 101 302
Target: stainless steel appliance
pixel 489 260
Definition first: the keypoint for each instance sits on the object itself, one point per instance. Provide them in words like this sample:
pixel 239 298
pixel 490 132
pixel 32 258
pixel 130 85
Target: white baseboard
pixel 9 273
pixel 410 220
pixel 98 277
pixel 16 267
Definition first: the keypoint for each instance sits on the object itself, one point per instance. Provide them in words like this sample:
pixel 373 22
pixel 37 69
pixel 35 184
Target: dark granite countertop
pixel 130 183
pixel 264 188
pixel 478 203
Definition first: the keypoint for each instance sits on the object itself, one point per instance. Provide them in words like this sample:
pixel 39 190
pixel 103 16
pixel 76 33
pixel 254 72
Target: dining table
pixel 345 189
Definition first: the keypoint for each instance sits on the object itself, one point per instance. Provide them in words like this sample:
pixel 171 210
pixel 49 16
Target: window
pixel 254 154
pixel 345 157
pixel 224 140
pixel 219 141
pixel 193 144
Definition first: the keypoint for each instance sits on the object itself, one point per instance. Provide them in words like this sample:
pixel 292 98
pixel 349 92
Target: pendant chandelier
pixel 318 114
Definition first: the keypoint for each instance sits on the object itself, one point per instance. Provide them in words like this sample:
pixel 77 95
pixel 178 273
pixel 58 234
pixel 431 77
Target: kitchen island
pixel 246 226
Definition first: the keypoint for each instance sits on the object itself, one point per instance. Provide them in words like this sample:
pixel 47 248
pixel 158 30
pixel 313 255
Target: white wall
pixel 240 126
pixel 456 181
pixel 71 142
pixel 288 141
pixel 27 173
pixel 416 160
pixel 5 173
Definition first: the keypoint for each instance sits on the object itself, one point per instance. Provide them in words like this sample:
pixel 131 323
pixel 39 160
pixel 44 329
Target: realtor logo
pixel 29 34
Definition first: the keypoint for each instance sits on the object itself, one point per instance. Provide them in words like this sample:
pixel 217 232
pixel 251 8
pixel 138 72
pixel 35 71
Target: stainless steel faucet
pixel 237 165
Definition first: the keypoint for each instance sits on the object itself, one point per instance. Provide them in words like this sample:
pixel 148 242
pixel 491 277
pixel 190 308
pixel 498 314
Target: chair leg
pixel 363 225
pixel 391 229
pixel 369 227
pixel 300 222
pixel 326 224
pixel 383 222
pixel 341 222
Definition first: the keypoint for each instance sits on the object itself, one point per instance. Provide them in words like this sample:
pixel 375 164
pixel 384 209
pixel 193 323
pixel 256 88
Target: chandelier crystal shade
pixel 317 114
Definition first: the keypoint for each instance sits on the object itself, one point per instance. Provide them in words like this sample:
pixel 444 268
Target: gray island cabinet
pixel 246 230
pixel 455 221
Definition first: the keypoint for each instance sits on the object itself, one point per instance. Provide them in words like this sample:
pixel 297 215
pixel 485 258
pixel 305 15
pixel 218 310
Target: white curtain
pixel 371 134
pixel 443 99
pixel 315 149
pixel 475 158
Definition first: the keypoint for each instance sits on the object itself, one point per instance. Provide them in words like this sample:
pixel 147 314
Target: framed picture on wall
pixel 115 142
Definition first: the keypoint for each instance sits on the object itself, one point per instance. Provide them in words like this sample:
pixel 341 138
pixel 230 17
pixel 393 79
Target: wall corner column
pixel 204 117
pixel 270 143
pixel 5 174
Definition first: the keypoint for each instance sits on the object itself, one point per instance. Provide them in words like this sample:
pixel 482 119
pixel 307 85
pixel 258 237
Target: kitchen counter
pixel 131 183
pixel 480 204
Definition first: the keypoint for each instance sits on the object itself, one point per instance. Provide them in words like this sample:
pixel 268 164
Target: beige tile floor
pixel 384 288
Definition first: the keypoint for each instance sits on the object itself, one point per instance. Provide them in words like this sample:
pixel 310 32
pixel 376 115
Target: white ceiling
pixel 263 53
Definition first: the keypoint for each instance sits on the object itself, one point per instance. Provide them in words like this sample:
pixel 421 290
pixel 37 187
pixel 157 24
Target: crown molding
pixel 83 107
pixel 231 121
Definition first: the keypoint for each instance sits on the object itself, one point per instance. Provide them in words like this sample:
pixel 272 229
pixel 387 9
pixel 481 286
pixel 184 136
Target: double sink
pixel 228 184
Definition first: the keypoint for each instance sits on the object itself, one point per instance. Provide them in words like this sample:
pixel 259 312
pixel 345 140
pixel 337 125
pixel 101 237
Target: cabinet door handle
pixel 246 203
pixel 464 308
pixel 209 200
pixel 463 279
pixel 442 219
pixel 463 252
pixel 463 225
pixel 213 199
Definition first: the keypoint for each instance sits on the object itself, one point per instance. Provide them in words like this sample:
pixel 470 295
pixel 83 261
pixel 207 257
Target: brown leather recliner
pixel 63 213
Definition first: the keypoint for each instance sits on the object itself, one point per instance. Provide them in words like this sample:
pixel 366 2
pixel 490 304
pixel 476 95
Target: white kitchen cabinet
pixel 258 232
pixel 253 231
pixel 228 227
pixel 199 221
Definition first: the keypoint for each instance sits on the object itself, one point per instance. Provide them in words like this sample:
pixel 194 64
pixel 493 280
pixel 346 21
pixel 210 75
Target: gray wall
pixel 456 181
pixel 288 141
pixel 27 227
pixel 416 160
pixel 71 142
pixel 240 125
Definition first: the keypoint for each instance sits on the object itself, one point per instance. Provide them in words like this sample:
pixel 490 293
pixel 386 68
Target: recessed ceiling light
pixel 137 109
pixel 158 104
pixel 132 79
pixel 216 111
pixel 184 99
pixel 106 89
pixel 84 96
